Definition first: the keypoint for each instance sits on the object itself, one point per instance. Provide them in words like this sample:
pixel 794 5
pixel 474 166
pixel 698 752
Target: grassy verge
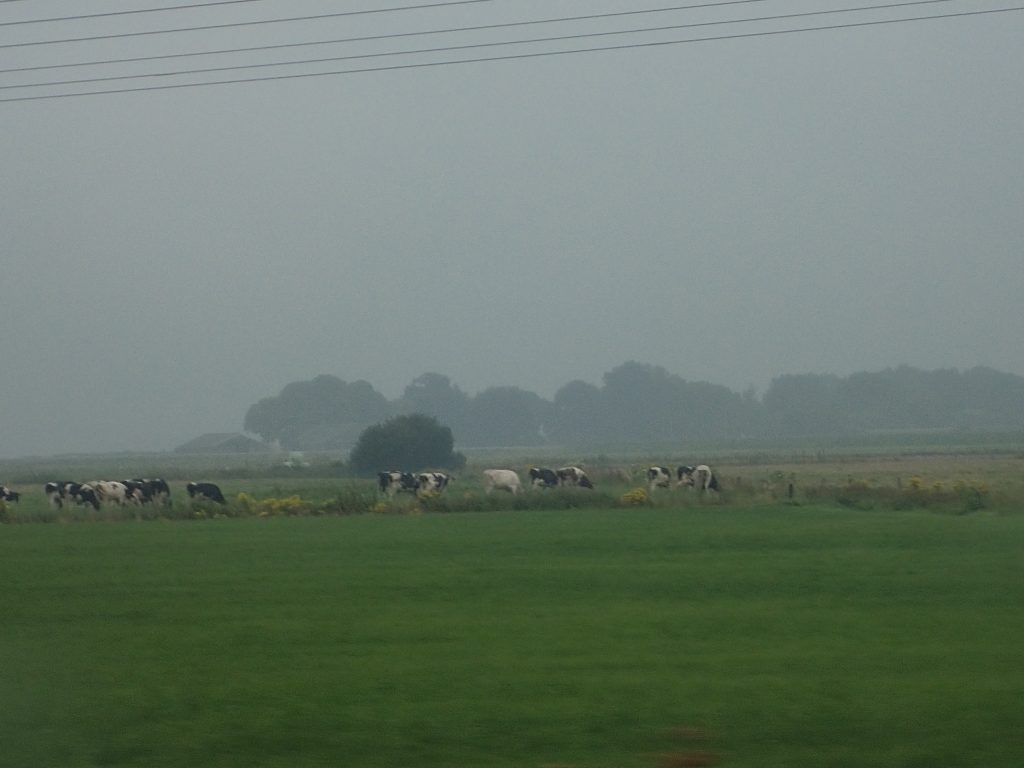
pixel 769 636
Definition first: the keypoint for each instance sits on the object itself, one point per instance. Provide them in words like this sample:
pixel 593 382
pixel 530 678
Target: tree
pixel 506 416
pixel 433 394
pixel 578 414
pixel 406 443
pixel 323 413
pixel 806 404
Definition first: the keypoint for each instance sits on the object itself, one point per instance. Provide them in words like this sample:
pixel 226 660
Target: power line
pixel 388 36
pixel 520 56
pixel 126 13
pixel 451 48
pixel 314 17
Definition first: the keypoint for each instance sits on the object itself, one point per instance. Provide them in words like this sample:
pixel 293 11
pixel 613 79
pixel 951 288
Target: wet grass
pixel 774 636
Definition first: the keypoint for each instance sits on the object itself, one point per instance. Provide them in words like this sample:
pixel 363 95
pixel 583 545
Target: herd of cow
pixel 117 492
pixel 392 482
pixel 155 491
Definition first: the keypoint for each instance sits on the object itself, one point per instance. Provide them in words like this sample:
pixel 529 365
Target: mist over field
pixel 732 211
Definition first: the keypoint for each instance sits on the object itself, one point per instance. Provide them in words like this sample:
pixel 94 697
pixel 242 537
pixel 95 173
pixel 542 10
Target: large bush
pixel 406 443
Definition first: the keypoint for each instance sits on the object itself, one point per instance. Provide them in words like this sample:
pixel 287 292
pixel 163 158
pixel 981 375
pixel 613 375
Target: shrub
pixel 405 442
pixel 637 497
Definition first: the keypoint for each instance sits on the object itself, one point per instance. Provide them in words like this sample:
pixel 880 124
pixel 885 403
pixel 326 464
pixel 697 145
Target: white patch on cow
pixel 658 477
pixel 700 477
pixel 432 482
pixel 573 476
pixel 501 480
pixel 110 491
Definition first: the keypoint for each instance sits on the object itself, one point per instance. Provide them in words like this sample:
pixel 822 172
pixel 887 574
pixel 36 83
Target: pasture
pixel 940 482
pixel 761 634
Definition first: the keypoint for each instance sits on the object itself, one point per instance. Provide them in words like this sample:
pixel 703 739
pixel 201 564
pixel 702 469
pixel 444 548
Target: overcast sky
pixel 731 210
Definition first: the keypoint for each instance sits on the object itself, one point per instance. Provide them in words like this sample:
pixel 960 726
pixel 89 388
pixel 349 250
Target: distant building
pixel 223 442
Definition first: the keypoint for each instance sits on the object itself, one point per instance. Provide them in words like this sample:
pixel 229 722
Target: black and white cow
pixel 658 477
pixel 84 494
pixel 700 477
pixel 137 491
pixel 67 492
pixel 52 491
pixel 501 480
pixel 143 490
pixel 6 494
pixel 394 482
pixel 205 491
pixel 56 493
pixel 573 476
pixel 432 482
pixel 159 490
pixel 542 477
pixel 110 491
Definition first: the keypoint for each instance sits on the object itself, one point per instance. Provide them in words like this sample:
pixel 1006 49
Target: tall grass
pixel 941 483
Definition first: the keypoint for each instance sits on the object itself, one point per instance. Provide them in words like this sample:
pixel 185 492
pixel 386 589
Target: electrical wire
pixel 389 36
pixel 472 46
pixel 522 56
pixel 107 14
pixel 257 22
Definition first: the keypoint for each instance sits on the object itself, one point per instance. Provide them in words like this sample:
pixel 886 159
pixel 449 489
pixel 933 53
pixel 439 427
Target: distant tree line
pixel 644 404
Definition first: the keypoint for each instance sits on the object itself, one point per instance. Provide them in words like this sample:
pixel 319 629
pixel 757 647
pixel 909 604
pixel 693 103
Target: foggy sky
pixel 827 202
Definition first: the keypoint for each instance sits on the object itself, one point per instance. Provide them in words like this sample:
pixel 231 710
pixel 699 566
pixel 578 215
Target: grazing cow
pixel 110 491
pixel 137 491
pixel 159 491
pixel 84 494
pixel 53 493
pixel 145 491
pixel 394 482
pixel 542 477
pixel 700 477
pixel 573 476
pixel 432 482
pixel 501 480
pixel 658 477
pixel 64 493
pixel 6 494
pixel 205 491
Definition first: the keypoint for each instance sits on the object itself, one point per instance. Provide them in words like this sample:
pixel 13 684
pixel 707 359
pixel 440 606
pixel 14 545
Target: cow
pixel 394 482
pixel 60 493
pixel 6 494
pixel 658 477
pixel 137 491
pixel 501 480
pixel 159 490
pixel 205 491
pixel 110 491
pixel 700 477
pixel 84 494
pixel 432 482
pixel 66 492
pixel 573 476
pixel 542 477
pixel 145 491
pixel 54 495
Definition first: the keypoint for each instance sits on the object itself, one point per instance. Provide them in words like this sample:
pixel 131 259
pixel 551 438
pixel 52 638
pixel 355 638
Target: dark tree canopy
pixel 506 416
pixel 434 395
pixel 325 410
pixel 405 443
pixel 642 404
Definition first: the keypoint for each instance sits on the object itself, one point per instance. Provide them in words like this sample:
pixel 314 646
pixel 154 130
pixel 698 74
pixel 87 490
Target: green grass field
pixel 767 635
